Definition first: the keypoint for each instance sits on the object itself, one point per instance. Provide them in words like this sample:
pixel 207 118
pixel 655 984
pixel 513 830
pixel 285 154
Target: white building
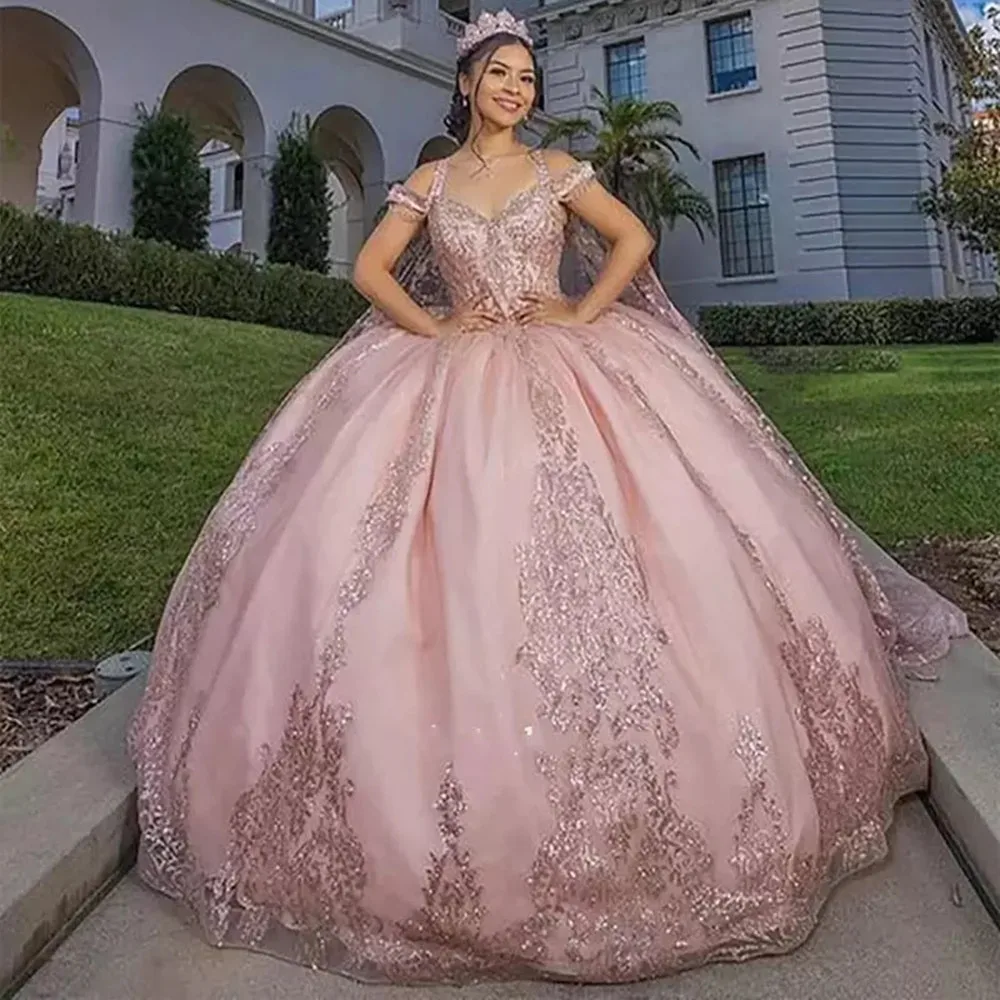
pixel 814 118
pixel 56 189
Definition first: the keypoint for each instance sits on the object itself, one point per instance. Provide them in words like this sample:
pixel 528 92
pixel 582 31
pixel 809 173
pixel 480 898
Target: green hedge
pixel 886 321
pixel 44 257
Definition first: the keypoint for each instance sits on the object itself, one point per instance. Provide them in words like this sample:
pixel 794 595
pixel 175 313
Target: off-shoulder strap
pixel 567 185
pixel 411 202
pixel 437 181
pixel 418 204
pixel 537 157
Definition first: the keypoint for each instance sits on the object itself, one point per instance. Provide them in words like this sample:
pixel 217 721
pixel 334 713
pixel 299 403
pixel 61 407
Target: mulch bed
pixel 36 705
pixel 965 571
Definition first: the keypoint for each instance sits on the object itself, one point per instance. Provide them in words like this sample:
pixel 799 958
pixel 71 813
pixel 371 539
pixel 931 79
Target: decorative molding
pixel 425 69
pixel 945 22
pixel 636 14
pixel 604 20
pixel 577 20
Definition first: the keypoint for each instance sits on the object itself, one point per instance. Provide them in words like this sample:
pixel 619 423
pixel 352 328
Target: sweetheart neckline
pixel 508 205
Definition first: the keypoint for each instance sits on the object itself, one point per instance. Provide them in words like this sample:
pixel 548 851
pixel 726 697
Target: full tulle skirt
pixel 522 654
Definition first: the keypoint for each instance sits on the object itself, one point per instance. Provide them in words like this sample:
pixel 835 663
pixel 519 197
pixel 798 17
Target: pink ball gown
pixel 526 653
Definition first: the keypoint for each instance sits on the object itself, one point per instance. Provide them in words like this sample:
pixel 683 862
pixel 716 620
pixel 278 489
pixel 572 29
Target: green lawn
pixel 119 428
pixel 907 454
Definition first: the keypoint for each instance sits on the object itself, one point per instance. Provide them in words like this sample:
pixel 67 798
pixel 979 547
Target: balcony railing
pixel 452 25
pixel 341 20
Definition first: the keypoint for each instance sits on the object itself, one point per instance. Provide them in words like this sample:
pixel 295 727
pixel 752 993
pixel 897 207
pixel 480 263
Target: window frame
pixel 609 62
pixel 711 45
pixel 235 185
pixel 760 239
pixel 930 59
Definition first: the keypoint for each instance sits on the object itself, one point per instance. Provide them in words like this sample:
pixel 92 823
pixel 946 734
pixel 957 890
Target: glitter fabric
pixel 534 652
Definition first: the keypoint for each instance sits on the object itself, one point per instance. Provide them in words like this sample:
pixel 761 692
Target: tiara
pixel 489 24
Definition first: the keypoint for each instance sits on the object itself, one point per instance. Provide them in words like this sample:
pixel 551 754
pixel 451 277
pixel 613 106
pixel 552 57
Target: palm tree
pixel 633 147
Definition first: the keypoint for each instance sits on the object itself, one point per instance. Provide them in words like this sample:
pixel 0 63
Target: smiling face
pixel 502 85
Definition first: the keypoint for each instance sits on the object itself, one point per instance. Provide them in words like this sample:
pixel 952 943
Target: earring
pixel 465 100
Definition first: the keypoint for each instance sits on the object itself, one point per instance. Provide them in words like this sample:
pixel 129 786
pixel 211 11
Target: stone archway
pixel 46 71
pixel 436 148
pixel 231 134
pixel 351 149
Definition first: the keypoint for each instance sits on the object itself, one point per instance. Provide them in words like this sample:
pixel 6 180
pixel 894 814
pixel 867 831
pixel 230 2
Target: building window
pixel 731 60
pixel 626 69
pixel 946 82
pixel 234 186
pixel 744 216
pixel 931 65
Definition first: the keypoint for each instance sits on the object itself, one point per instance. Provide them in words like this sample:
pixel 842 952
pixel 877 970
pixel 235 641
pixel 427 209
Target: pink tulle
pixel 535 652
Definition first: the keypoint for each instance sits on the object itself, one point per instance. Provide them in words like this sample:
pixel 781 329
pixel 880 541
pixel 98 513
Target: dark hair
pixel 459 118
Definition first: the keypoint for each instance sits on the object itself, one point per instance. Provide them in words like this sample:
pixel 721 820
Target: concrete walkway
pixel 910 930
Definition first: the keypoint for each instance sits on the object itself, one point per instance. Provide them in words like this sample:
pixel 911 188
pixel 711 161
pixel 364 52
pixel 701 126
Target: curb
pixel 69 826
pixel 70 823
pixel 959 715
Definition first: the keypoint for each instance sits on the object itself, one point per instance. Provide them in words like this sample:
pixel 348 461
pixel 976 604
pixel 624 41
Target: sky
pixel 973 11
pixel 324 7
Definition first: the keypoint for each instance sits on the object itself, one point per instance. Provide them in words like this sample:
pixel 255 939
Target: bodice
pixel 518 251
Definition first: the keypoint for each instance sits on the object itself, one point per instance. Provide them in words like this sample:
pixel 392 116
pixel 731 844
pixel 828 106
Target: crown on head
pixel 503 22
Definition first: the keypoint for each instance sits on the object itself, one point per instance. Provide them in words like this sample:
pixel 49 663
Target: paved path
pixel 896 933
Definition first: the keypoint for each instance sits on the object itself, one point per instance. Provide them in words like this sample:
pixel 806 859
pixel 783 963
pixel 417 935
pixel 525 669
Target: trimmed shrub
pixel 44 257
pixel 833 358
pixel 300 202
pixel 885 321
pixel 171 191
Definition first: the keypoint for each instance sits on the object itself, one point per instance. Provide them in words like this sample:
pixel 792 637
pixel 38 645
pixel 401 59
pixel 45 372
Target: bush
pixel 44 257
pixel 836 358
pixel 300 202
pixel 171 191
pixel 885 321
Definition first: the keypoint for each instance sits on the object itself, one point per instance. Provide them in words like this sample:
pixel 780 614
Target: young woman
pixel 522 644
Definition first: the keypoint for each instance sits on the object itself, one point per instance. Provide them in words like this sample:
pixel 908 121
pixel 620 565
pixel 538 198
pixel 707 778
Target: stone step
pixel 912 929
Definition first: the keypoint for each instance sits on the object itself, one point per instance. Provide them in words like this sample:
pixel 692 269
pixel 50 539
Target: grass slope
pixel 908 454
pixel 119 428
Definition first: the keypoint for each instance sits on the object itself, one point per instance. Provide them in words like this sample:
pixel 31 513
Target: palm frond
pixel 568 129
pixel 635 146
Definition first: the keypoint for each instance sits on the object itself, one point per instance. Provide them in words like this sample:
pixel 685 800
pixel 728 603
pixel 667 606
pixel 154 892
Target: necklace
pixel 485 165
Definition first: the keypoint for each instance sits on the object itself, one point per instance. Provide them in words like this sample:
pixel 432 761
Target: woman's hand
pixel 556 311
pixel 475 315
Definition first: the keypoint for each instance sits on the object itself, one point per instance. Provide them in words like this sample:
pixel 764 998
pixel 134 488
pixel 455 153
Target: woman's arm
pixel 376 259
pixel 631 242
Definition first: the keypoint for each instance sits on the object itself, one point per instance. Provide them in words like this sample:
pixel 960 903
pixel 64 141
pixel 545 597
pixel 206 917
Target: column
pixel 256 201
pixel 104 177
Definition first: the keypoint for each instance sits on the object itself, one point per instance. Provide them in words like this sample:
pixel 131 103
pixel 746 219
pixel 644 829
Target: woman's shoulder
pixel 422 179
pixel 414 195
pixel 558 161
pixel 570 176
